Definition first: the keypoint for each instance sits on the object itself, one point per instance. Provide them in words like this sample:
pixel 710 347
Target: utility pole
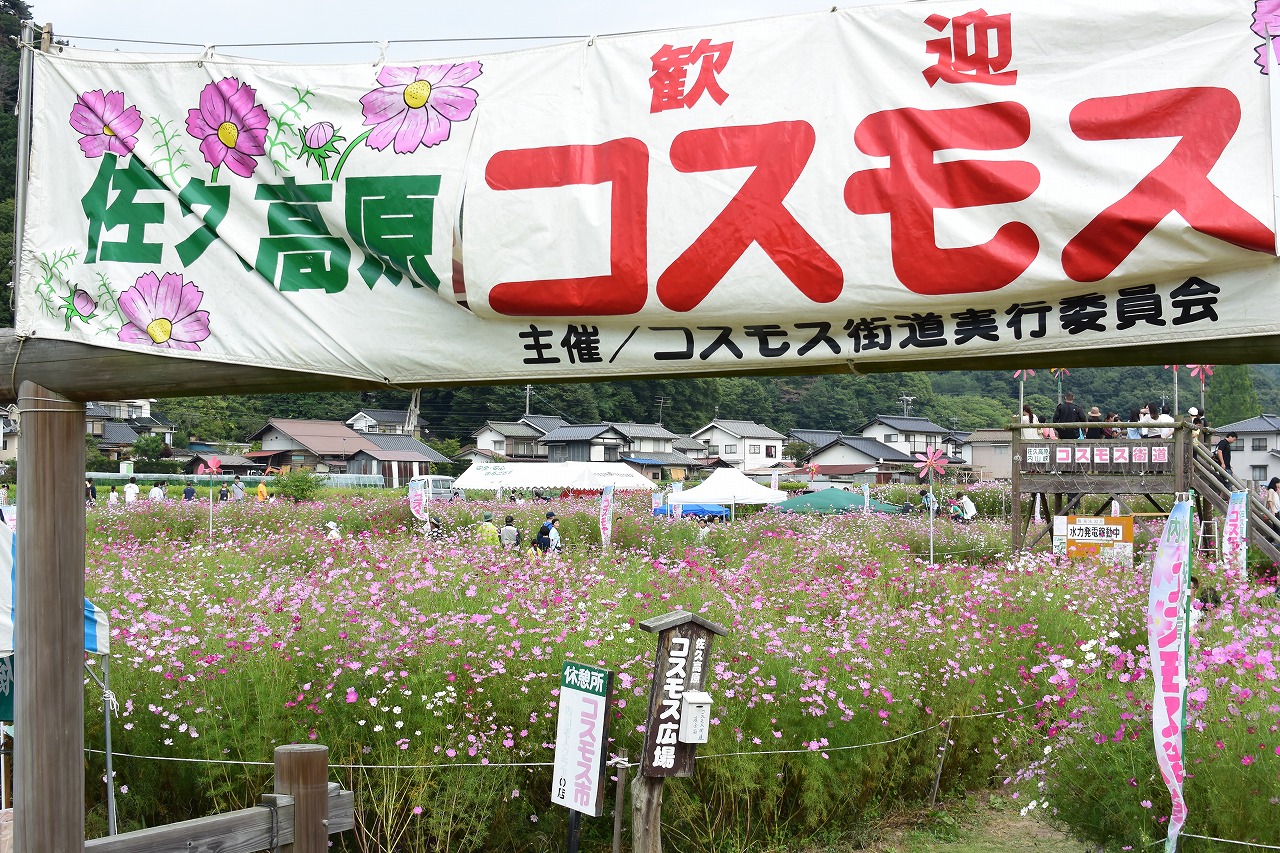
pixel 528 391
pixel 660 402
pixel 906 405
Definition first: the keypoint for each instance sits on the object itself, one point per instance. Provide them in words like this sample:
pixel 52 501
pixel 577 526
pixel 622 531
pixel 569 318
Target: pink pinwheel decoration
pixel 1059 372
pixel 1025 373
pixel 215 465
pixel 1201 372
pixel 200 469
pixel 1173 367
pixel 932 461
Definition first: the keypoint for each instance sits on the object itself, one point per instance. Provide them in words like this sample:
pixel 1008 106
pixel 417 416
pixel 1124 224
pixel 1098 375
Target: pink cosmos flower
pixel 231 127
pixel 1266 13
pixel 162 312
pixel 104 123
pixel 415 106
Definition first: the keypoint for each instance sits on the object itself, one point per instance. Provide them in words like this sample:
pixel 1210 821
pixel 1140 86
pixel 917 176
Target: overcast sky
pixel 254 21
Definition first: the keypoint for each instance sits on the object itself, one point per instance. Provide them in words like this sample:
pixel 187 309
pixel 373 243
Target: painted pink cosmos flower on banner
pixel 1266 15
pixel 232 129
pixel 161 312
pixel 105 123
pixel 416 106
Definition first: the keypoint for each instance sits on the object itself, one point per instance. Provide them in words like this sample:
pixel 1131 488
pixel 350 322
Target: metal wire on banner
pixel 332 43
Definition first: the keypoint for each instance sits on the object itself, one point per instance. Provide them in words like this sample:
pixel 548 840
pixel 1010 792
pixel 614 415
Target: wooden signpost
pixel 679 675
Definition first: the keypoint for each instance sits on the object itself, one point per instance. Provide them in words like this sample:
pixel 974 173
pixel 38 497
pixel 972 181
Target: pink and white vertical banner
pixel 606 516
pixel 1167 642
pixel 1235 534
pixel 677 508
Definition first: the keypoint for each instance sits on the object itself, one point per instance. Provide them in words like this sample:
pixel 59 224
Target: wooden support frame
pixel 298 821
pixel 49 629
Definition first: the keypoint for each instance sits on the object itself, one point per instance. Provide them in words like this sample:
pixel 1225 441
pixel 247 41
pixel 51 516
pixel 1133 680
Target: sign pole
pixel 619 800
pixel 575 829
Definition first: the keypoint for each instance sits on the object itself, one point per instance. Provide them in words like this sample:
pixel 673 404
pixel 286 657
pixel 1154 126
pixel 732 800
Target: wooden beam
pixel 242 831
pixel 1098 484
pixel 49 626
pixel 84 372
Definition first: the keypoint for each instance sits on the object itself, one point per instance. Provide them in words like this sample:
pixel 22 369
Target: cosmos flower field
pixel 430 667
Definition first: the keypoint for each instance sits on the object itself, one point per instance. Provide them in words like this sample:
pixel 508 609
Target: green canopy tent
pixel 830 501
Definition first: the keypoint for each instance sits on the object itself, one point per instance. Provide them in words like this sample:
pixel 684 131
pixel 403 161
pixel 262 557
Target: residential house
pixel 321 446
pixel 1256 453
pixel 398 459
pixel 584 443
pixel 8 440
pixel 905 434
pixel 650 450
pixel 387 422
pixel 517 441
pixel 471 453
pixel 857 450
pixel 990 454
pixel 743 444
pixel 814 438
pixel 117 424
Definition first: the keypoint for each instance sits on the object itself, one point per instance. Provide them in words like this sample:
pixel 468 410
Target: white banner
pixel 606 516
pixel 677 508
pixel 1235 534
pixel 909 181
pixel 1167 617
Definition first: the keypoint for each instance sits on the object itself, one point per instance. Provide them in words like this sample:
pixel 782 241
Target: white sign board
pixel 582 738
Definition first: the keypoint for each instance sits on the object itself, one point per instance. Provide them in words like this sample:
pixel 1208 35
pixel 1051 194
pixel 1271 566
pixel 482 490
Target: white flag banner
pixel 889 183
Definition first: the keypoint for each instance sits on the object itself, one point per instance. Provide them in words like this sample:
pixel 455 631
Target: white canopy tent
pixel 584 476
pixel 728 486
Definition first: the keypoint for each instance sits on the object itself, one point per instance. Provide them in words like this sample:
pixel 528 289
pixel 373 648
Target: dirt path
pixel 984 824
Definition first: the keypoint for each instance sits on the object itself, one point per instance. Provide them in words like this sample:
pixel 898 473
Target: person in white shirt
pixel 968 511
pixel 1165 418
pixel 156 493
pixel 113 497
pixel 131 490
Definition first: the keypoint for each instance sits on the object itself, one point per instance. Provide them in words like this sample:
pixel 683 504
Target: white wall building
pixel 743 444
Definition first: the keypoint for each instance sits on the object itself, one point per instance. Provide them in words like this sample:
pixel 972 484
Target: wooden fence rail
pixel 286 821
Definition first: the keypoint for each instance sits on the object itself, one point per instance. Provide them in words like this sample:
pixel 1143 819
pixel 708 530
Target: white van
pixel 439 487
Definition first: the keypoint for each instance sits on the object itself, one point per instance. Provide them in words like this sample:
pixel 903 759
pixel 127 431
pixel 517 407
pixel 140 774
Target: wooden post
pixel 646 814
pixel 620 801
pixel 302 772
pixel 49 625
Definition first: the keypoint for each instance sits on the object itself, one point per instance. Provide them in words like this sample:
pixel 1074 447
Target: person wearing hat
pixel 333 531
pixel 487 531
pixel 1094 417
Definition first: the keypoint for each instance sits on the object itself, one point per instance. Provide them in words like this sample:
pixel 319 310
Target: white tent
pixel 728 486
pixel 586 476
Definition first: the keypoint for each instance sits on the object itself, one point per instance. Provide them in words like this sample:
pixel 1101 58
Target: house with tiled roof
pixel 857 450
pixel 512 440
pixel 742 444
pixel 320 446
pixel 584 443
pixel 1256 454
pixel 815 438
pixel 387 422
pixel 905 434
pixel 137 415
pixel 398 458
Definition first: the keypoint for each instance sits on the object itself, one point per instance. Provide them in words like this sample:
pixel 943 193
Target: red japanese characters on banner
pixel 671 67
pixel 966 55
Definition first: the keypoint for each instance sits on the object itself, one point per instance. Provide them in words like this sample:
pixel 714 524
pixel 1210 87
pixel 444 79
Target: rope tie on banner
pixel 13 371
pixel 206 56
pixel 582 65
pixel 382 54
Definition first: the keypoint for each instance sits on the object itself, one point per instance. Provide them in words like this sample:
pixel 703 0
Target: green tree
pixel 1231 396
pixel 299 484
pixel 150 447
